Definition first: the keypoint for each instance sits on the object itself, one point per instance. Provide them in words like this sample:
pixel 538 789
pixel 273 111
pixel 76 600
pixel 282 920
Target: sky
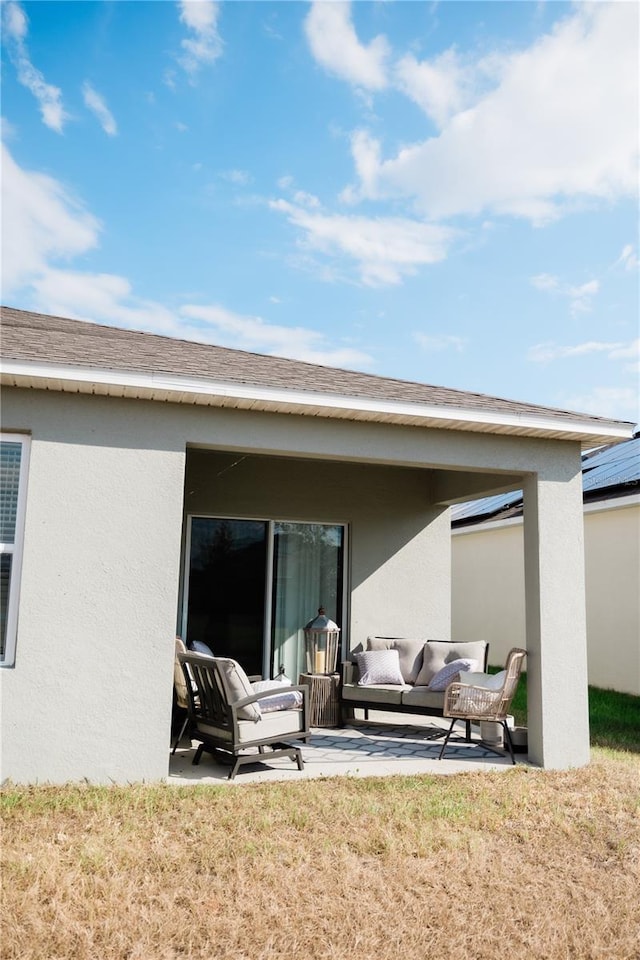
pixel 440 192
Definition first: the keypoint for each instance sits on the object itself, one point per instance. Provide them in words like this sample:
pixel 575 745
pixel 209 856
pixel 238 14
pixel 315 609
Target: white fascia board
pixel 539 423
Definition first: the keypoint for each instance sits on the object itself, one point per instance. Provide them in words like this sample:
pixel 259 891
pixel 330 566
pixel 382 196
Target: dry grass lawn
pixel 515 864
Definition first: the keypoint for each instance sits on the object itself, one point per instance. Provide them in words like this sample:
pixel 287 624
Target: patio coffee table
pixel 324 701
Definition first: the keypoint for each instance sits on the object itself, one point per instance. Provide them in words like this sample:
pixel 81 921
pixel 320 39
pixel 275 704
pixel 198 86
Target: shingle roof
pixel 43 339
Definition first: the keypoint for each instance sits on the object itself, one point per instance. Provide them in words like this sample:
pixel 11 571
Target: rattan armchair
pixel 478 703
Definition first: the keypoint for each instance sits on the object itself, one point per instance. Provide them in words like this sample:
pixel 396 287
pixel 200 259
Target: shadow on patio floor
pixel 377 747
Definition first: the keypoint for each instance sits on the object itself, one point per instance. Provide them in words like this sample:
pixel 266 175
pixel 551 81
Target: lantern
pixel 321 644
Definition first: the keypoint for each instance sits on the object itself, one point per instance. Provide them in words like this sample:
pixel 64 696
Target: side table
pixel 324 704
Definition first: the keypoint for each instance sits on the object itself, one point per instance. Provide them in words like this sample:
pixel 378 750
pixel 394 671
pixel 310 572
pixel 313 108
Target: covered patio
pixel 379 747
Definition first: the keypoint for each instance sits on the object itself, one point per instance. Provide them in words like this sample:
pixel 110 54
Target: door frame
pixel 267 640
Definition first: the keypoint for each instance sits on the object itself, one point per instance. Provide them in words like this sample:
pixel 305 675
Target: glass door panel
pixel 227 586
pixel 308 572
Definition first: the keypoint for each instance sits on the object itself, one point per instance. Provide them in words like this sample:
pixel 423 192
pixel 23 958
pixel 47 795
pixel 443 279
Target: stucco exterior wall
pixel 102 549
pixel 488 590
pixel 399 544
pixel 90 694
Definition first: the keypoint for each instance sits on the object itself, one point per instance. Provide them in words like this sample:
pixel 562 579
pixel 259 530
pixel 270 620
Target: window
pixel 14 461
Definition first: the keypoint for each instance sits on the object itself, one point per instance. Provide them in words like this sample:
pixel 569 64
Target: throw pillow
pixel 284 700
pixel 199 647
pixel 450 673
pixel 438 652
pixel 410 652
pixel 239 687
pixel 379 666
pixel 488 681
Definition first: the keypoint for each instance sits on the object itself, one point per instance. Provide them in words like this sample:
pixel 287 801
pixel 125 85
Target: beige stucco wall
pixel 399 544
pixel 102 554
pixel 488 590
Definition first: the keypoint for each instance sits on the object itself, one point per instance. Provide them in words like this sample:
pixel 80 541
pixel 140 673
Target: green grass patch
pixel 614 717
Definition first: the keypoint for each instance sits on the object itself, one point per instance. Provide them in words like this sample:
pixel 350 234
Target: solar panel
pixel 610 466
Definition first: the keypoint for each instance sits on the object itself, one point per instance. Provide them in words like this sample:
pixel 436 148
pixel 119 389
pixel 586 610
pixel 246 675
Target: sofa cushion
pixel 379 666
pixel 438 652
pixel 374 693
pixel 410 652
pixel 450 672
pixel 419 697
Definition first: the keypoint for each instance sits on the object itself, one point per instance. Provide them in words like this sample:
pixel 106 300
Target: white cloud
pixel 560 125
pixel 240 177
pixel 442 87
pixel 628 258
pixel 95 102
pixel 49 98
pixel 384 249
pixel 579 297
pixel 335 45
pixel 205 46
pixel 253 333
pixel 439 342
pixel 45 223
pixel 614 402
pixel 547 352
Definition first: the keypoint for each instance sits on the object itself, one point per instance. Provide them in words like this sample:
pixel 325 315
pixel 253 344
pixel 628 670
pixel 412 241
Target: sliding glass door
pixel 252 585
pixel 227 588
pixel 307 563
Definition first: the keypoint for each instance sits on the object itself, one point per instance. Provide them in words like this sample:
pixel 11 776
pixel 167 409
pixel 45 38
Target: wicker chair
pixel 221 718
pixel 465 702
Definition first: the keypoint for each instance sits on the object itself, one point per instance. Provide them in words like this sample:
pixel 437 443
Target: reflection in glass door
pixel 226 588
pixel 252 585
pixel 307 560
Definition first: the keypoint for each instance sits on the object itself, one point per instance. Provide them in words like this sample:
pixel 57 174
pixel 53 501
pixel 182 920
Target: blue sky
pixel 442 192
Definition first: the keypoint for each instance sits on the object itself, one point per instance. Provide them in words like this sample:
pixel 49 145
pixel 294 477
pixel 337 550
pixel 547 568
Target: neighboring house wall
pixel 488 589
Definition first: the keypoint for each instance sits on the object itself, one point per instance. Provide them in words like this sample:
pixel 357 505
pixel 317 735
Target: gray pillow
pixel 239 687
pixel 199 647
pixel 438 652
pixel 379 666
pixel 409 651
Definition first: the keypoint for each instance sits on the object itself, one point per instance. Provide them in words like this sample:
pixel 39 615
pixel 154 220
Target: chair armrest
pixel 264 694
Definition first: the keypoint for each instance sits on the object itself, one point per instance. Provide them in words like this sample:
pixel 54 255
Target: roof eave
pixel 165 387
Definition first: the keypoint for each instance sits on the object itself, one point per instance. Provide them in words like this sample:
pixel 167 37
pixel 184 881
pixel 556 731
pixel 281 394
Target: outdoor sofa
pixel 419 670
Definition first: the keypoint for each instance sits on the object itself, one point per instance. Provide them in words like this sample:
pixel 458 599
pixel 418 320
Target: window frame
pixel 15 549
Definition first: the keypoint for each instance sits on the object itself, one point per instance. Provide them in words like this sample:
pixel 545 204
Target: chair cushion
pixel 239 687
pixel 489 681
pixel 410 653
pixel 379 666
pixel 450 672
pixel 438 652
pixel 279 724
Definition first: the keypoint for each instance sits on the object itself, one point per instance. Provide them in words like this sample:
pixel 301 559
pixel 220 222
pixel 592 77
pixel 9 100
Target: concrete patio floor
pixel 375 748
